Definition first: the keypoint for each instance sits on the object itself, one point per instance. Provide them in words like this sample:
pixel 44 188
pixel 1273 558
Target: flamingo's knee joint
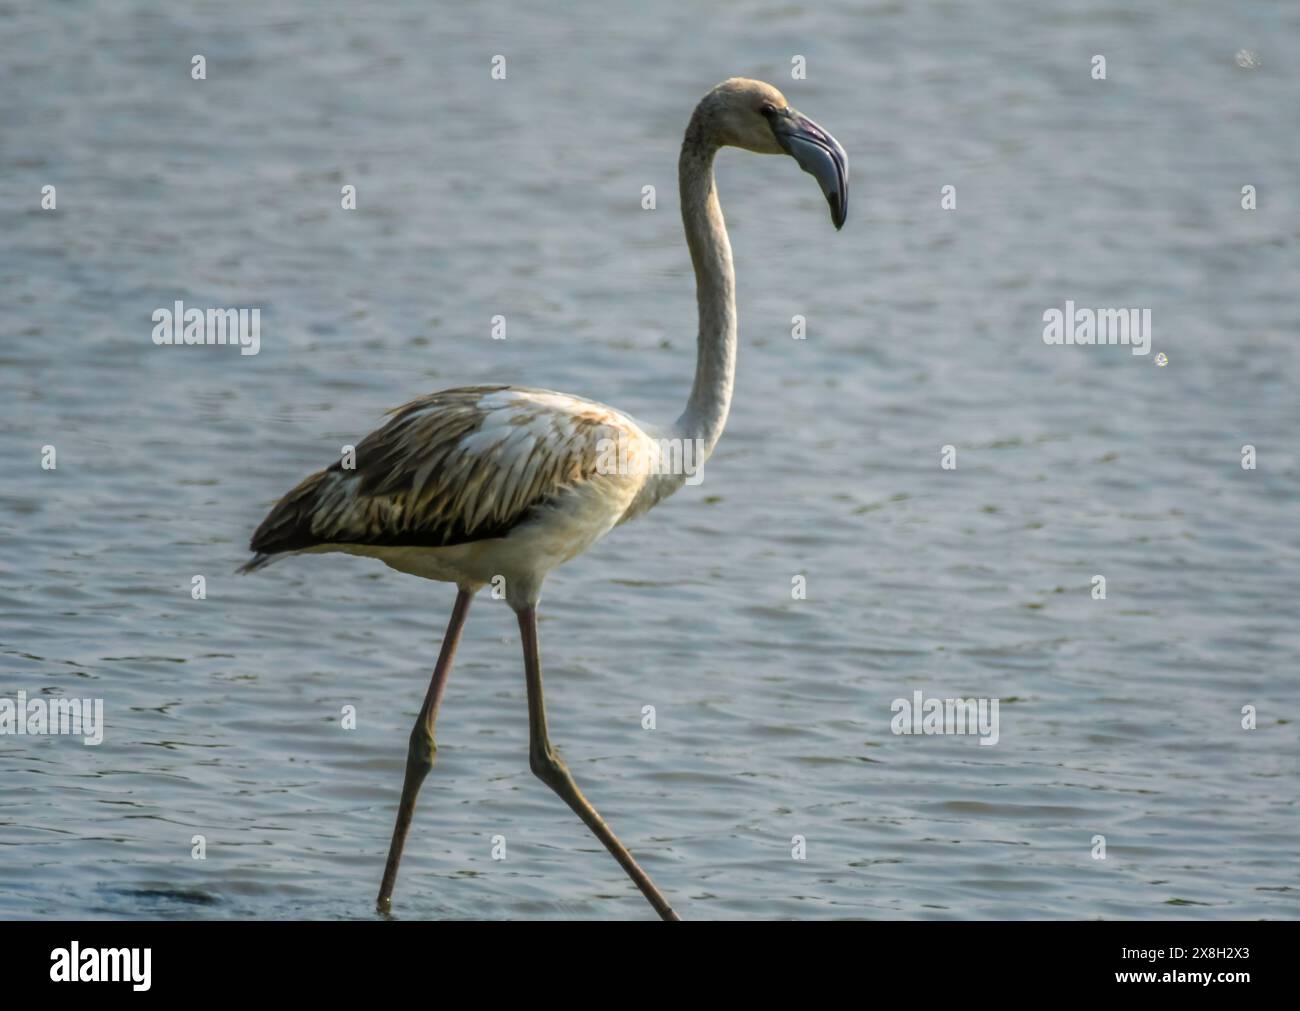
pixel 422 750
pixel 547 766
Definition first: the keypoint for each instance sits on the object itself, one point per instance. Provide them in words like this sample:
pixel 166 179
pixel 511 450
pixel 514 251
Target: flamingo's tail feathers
pixel 258 561
pixel 288 526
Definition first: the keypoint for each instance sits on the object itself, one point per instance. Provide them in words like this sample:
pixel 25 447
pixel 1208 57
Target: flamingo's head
pixel 755 116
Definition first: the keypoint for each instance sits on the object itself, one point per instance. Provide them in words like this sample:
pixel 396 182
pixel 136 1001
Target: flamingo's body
pixel 482 483
pixel 474 484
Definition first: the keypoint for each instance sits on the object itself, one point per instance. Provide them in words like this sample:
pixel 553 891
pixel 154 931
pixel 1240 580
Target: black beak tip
pixel 839 213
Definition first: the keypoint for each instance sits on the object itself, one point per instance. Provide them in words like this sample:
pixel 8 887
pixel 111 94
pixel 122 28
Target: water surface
pixel 522 197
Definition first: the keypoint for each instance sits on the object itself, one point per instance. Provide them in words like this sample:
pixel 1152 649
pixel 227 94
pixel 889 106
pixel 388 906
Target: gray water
pixel 1119 718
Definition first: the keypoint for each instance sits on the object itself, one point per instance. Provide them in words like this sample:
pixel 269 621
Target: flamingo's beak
pixel 820 155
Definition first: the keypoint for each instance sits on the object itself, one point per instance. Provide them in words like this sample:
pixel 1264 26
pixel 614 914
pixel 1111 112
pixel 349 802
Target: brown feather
pixel 416 483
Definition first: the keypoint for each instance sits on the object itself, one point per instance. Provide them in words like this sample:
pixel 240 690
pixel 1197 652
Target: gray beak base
pixel 820 155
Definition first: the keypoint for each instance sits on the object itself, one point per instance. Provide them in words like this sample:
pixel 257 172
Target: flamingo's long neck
pixel 715 289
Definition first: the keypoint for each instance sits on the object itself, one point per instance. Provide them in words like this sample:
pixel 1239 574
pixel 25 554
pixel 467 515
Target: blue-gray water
pixel 522 197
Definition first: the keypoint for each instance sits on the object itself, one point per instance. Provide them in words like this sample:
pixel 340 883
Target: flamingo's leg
pixel 422 749
pixel 548 767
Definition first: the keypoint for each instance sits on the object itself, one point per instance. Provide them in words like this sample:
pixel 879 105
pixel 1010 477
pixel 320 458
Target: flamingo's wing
pixel 456 466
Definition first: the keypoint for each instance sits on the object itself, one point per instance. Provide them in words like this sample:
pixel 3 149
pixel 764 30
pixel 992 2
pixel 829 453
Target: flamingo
pixel 485 484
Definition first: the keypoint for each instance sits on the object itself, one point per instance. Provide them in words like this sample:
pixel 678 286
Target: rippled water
pixel 1119 718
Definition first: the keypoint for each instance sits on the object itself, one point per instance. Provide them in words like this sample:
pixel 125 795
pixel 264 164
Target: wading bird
pixel 483 483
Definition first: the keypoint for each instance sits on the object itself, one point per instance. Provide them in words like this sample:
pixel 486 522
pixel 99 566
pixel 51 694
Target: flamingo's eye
pixel 768 109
